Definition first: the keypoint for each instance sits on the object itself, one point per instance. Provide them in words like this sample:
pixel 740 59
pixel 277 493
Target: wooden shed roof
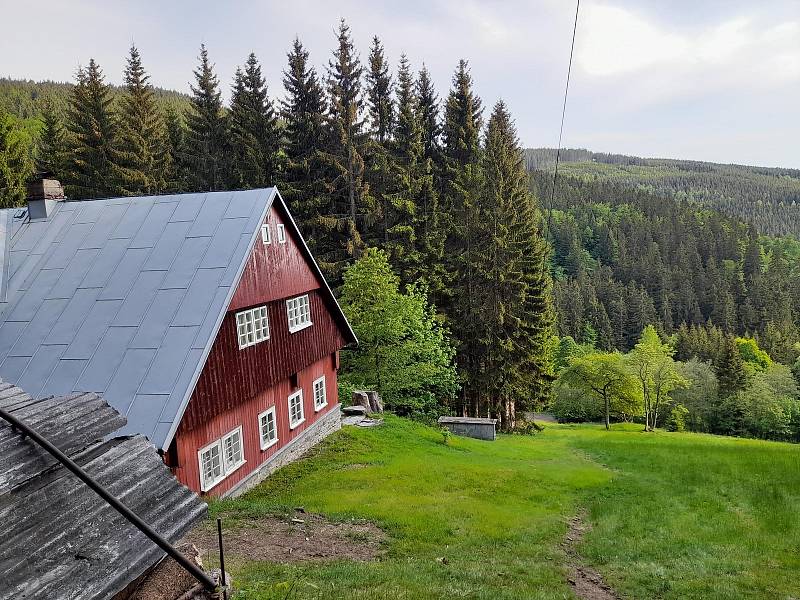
pixel 58 538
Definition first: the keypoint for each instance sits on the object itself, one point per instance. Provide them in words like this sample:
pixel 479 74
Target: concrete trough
pixel 474 427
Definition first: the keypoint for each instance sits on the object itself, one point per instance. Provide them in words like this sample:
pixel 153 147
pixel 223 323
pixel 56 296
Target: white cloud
pixel 615 42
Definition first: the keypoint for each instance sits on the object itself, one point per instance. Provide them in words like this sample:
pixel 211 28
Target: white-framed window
pixel 320 394
pixel 252 326
pixel 298 310
pixel 268 428
pixel 220 458
pixel 266 235
pixel 281 228
pixel 296 415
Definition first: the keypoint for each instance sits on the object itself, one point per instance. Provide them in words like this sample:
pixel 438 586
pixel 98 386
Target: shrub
pixel 677 418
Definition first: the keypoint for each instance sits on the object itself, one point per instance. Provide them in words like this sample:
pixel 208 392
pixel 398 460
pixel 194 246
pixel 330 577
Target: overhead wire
pixel 563 115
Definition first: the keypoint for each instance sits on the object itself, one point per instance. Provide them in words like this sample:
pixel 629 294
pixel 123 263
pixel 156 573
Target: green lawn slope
pixel 673 515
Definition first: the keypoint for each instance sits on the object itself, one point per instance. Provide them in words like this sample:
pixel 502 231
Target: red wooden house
pixel 203 318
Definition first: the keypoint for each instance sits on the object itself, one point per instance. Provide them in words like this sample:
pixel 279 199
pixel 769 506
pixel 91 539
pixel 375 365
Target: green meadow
pixel 672 515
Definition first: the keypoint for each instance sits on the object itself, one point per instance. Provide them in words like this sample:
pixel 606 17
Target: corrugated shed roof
pixel 124 297
pixel 58 538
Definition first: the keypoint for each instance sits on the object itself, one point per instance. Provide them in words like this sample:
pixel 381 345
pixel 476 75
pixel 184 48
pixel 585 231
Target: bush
pixel 676 421
pixel 572 405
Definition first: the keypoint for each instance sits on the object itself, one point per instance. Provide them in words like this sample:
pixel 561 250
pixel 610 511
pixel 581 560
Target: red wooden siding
pixel 236 385
pixel 274 271
pixel 188 442
pixel 232 375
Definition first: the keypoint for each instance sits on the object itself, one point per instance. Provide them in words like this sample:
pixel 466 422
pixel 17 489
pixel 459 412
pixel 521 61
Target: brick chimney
pixel 43 193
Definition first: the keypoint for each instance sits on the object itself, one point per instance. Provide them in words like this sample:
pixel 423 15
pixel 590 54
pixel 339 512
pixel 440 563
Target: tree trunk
pixel 607 403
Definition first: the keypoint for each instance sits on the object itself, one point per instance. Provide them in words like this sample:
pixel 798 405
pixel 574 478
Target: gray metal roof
pixel 58 538
pixel 123 297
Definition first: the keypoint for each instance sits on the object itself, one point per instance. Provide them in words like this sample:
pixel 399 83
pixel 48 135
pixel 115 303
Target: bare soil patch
pixel 169 580
pixel 587 583
pixel 293 538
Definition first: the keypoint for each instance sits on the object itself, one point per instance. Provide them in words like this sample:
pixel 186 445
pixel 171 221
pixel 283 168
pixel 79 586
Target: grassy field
pixel 673 515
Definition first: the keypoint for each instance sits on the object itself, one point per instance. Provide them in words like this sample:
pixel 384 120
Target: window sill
pixel 297 423
pixel 265 447
pixel 320 407
pixel 300 327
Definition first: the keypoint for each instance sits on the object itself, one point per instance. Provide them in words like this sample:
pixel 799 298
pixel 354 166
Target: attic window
pixel 252 326
pixel 281 233
pixel 266 236
pixel 298 311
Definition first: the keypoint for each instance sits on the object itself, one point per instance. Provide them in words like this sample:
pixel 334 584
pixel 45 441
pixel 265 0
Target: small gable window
pixel 266 236
pixel 320 395
pixel 268 428
pixel 298 311
pixel 220 458
pixel 281 233
pixel 252 326
pixel 296 415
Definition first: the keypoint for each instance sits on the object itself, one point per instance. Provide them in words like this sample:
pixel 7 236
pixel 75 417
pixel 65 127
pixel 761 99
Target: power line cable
pixel 563 114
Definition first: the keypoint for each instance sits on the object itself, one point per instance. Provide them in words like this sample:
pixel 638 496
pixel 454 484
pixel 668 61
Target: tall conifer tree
pixel 351 210
pixel 51 153
pixel 462 226
pixel 513 283
pixel 142 141
pixel 207 130
pixel 176 139
pixel 92 167
pixel 428 115
pixel 303 113
pixel 254 135
pixel 380 171
pixel 379 92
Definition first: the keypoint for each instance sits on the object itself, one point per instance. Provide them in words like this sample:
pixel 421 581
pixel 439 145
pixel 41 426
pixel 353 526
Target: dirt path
pixel 587 583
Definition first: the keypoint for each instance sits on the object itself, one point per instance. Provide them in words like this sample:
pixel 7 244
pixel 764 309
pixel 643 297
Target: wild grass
pixel 468 519
pixel 673 515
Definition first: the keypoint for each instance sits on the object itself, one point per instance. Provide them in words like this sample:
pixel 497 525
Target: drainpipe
pixel 161 542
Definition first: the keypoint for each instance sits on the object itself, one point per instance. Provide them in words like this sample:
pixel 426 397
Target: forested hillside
pixel 625 257
pixel 28 100
pixel 769 198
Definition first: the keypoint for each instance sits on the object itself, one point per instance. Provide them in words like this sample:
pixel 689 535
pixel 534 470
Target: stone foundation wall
pixel 312 436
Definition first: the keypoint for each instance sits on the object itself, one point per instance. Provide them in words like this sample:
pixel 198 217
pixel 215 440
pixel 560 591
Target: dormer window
pixel 298 311
pixel 281 233
pixel 266 235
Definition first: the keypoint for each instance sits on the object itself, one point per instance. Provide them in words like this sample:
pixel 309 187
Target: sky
pixel 715 80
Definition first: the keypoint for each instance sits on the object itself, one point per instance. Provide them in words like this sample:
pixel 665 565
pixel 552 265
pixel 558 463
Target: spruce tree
pixel 428 115
pixel 379 86
pixel 351 210
pixel 729 368
pixel 462 228
pixel 254 135
pixel 207 130
pixel 412 232
pixel 176 146
pixel 381 174
pixel 16 165
pixel 510 281
pixel 142 142
pixel 51 153
pixel 92 166
pixel 303 113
